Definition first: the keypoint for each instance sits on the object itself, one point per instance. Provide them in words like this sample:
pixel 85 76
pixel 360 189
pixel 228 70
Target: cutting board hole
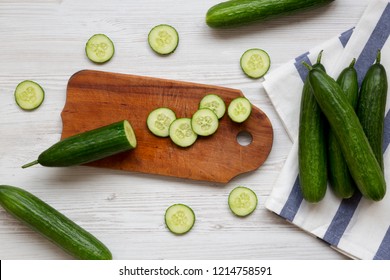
pixel 244 138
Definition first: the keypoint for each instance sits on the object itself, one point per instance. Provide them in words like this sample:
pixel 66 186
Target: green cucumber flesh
pixel 255 63
pixel 242 201
pixel 181 132
pixel 179 218
pixel 204 122
pixel 99 48
pixel 215 103
pixel 159 121
pixel 240 12
pixel 360 158
pixel 312 156
pixel 29 95
pixel 163 39
pixel 372 105
pixel 89 146
pixel 239 109
pixel 52 224
pixel 340 178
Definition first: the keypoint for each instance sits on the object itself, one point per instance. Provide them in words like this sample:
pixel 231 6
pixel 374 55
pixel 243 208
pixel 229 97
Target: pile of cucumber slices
pixel 183 131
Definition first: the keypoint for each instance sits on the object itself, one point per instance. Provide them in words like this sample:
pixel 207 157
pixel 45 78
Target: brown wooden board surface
pixel 96 98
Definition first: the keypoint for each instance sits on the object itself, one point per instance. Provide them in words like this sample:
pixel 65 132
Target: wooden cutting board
pixel 96 98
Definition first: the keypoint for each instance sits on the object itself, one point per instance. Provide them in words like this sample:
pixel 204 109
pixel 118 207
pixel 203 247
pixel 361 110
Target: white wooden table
pixel 43 40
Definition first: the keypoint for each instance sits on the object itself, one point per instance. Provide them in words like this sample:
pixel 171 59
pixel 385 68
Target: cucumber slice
pixel 159 121
pixel 239 109
pixel 181 132
pixel 29 95
pixel 99 48
pixel 215 103
pixel 179 218
pixel 163 39
pixel 255 63
pixel 204 122
pixel 242 201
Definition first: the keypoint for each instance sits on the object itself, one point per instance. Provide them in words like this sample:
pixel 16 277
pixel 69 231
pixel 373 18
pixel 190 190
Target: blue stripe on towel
pixel 342 218
pixel 294 200
pixel 386 133
pixel 344 37
pixel 302 70
pixel 375 42
pixel 383 252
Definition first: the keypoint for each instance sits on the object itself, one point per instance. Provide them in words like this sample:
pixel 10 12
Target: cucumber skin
pixel 312 146
pixel 240 12
pixel 340 178
pixel 361 161
pixel 371 107
pixel 46 220
pixel 86 147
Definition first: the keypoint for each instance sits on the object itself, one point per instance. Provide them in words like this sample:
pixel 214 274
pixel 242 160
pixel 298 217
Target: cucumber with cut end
pixel 29 95
pixel 239 109
pixel 255 63
pixel 181 132
pixel 159 121
pixel 89 146
pixel 242 201
pixel 204 122
pixel 99 48
pixel 240 12
pixel 179 218
pixel 215 103
pixel 52 224
pixel 163 39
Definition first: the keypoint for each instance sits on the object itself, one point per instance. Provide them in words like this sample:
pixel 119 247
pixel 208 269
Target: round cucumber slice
pixel 214 103
pixel 29 95
pixel 204 122
pixel 99 48
pixel 179 218
pixel 159 121
pixel 255 63
pixel 163 39
pixel 239 109
pixel 242 201
pixel 181 132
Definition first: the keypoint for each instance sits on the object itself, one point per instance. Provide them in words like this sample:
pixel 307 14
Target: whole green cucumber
pixel 239 12
pixel 312 145
pixel 340 178
pixel 372 105
pixel 89 146
pixel 46 220
pixel 360 158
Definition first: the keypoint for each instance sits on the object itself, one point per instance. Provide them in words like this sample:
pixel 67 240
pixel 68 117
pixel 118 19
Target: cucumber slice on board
pixel 163 39
pixel 255 63
pixel 29 95
pixel 215 103
pixel 239 109
pixel 159 121
pixel 179 218
pixel 242 201
pixel 204 122
pixel 181 132
pixel 99 48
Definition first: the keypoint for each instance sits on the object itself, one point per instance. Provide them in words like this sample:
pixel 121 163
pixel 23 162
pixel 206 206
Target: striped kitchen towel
pixel 357 227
